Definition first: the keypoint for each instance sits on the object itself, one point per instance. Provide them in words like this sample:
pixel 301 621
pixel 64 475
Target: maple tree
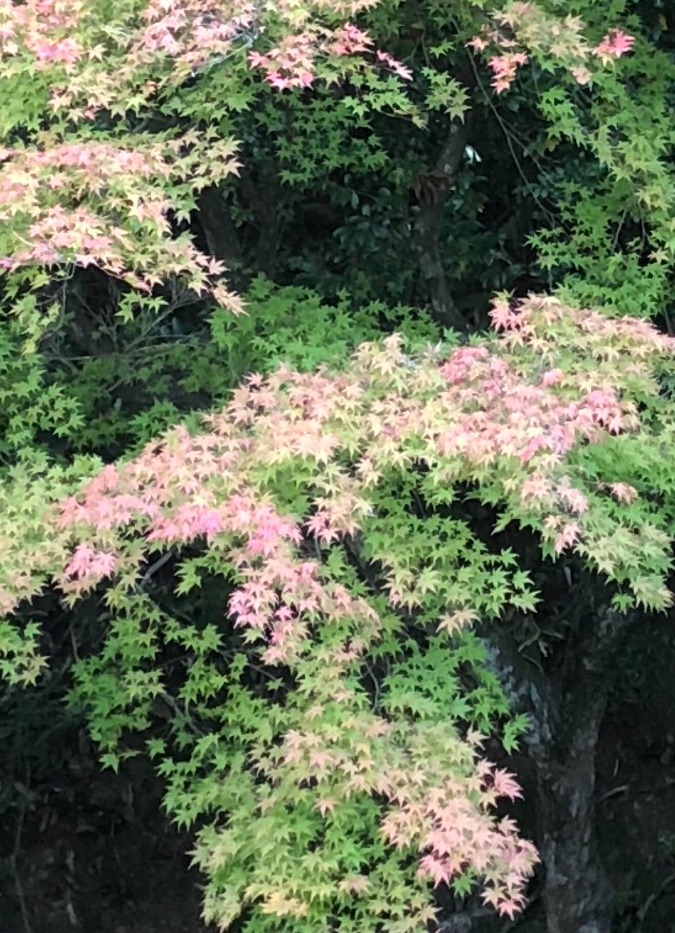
pixel 317 546
pixel 113 187
pixel 106 201
pixel 297 490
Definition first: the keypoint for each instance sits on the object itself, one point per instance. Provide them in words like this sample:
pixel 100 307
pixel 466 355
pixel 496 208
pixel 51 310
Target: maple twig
pixel 509 136
pixel 153 568
pixel 376 687
pixel 652 899
pixel 181 713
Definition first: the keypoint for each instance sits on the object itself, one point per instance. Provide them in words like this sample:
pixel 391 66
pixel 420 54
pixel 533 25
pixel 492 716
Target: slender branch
pixel 509 136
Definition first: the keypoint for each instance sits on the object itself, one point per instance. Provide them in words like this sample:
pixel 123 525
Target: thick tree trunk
pixel 566 706
pixel 221 234
pixel 427 226
pixel 263 193
pixel 576 894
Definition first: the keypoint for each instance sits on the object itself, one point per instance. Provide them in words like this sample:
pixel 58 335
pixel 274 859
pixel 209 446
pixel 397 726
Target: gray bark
pixel 221 234
pixel 577 895
pixel 426 230
pixel 566 707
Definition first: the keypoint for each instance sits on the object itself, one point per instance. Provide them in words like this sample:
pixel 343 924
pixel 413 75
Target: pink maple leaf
pixel 320 760
pixel 67 50
pixel 257 60
pixel 504 317
pixel 573 498
pixel 552 377
pixel 623 492
pixel 581 74
pixel 354 885
pixel 567 537
pixel 397 67
pixel 510 907
pixel 433 867
pixel 325 805
pixel 303 79
pixel 615 44
pixel 86 562
pixel 208 522
pixel 278 81
pixel 531 448
pixel 478 43
pixel 504 785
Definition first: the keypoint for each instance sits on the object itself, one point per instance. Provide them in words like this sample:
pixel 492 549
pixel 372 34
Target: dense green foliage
pixel 268 456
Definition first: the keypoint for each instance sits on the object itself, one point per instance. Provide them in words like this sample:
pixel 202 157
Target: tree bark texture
pixel 577 894
pixel 221 234
pixel 566 706
pixel 427 224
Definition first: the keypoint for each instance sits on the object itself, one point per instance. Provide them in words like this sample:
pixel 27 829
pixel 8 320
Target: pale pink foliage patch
pixel 87 567
pixel 623 492
pixel 291 64
pixel 104 204
pixel 41 186
pixel 615 44
pixel 522 30
pixel 504 69
pixel 166 41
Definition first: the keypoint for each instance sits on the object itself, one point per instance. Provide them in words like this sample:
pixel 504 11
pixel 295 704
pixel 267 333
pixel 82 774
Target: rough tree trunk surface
pixel 427 226
pixel 566 706
pixel 577 894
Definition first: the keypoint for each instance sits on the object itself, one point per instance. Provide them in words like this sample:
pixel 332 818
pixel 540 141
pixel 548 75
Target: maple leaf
pixel 354 884
pixel 552 377
pixel 457 620
pixel 475 738
pixel 325 805
pixel 510 906
pixel 571 497
pixel 280 905
pixel 277 81
pixel 479 43
pixel 436 868
pixel 320 760
pixel 393 65
pixel 567 537
pixel 581 74
pixel 505 785
pixel 623 492
pixel 615 44
pixel 87 562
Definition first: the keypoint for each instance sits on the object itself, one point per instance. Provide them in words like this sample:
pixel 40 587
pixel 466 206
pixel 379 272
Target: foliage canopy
pixel 301 575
